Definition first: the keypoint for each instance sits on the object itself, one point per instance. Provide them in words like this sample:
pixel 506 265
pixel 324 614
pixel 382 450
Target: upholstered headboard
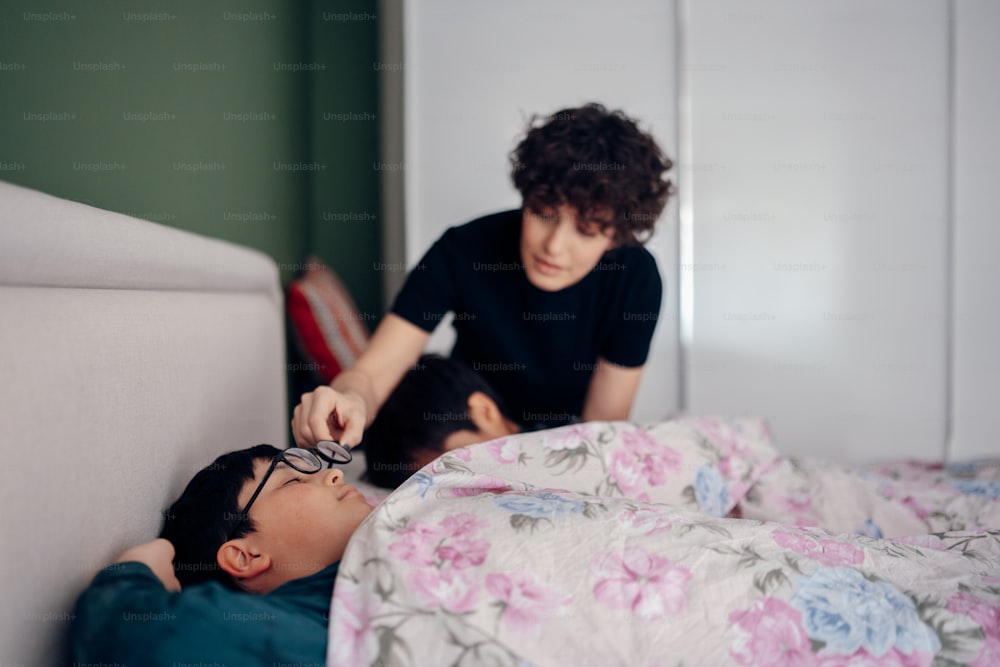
pixel 131 355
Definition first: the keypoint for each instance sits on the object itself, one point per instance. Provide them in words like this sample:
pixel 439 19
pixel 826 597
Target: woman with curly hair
pixel 555 303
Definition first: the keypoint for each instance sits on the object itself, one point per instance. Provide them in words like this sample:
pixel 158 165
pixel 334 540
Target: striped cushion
pixel 325 321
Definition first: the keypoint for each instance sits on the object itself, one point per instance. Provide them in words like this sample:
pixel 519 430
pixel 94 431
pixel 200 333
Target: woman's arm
pixel 343 410
pixel 611 393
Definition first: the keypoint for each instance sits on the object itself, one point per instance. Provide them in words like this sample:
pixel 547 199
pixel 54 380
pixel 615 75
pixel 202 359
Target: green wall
pixel 205 117
pixel 343 118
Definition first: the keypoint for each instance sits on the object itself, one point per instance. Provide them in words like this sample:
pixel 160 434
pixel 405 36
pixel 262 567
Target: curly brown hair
pixel 591 158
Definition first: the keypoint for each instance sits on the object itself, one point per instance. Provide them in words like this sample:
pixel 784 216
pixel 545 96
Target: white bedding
pixel 603 544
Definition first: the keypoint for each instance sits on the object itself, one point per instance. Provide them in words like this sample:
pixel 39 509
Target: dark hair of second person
pixel 440 404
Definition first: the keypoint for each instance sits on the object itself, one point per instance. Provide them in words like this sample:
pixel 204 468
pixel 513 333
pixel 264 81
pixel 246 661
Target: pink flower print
pixel 862 658
pixel 527 601
pixel 734 467
pixel 795 501
pixel 825 552
pixel 458 548
pixel 453 590
pixel 983 613
pixel 646 520
pixel 568 437
pixel 462 552
pixel 450 544
pixel 462 524
pixel 417 545
pixel 646 583
pixel 988 616
pixel 770 633
pixel 505 450
pixel 641 461
pixel 355 643
pixel 989 655
pixel 481 484
pixel 738 471
pixel 463 453
pixel 917 507
pixel 723 434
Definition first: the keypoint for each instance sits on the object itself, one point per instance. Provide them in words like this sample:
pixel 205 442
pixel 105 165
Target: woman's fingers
pixel 326 414
pixel 351 420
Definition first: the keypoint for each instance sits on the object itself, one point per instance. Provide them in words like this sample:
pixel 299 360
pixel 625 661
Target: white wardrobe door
pixel 476 71
pixel 977 232
pixel 820 208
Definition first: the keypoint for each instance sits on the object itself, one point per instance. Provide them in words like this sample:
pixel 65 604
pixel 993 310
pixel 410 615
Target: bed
pixel 617 544
pixel 133 354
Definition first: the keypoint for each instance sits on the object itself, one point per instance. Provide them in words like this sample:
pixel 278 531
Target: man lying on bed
pixel 255 541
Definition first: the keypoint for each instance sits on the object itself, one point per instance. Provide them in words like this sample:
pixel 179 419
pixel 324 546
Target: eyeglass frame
pixel 325 451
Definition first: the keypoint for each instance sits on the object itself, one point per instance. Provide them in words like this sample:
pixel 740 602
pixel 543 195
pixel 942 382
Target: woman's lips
pixel 348 490
pixel 547 268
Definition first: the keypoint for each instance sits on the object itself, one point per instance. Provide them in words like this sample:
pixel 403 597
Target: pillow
pixel 324 320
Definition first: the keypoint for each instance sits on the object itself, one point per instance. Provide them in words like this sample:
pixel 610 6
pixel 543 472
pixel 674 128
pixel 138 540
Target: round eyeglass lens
pixel 333 451
pixel 303 460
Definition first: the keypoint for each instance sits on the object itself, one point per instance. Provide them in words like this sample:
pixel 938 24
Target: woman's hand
pixel 341 412
pixel 158 556
pixel 328 414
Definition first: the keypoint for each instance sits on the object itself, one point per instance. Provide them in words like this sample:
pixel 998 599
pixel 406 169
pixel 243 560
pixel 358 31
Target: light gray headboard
pixel 131 354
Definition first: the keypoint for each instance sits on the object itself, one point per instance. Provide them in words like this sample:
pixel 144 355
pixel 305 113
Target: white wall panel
pixel 476 71
pixel 976 334
pixel 821 187
pixel 820 212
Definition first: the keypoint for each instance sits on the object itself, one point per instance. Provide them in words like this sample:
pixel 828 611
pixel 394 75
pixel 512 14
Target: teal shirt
pixel 126 617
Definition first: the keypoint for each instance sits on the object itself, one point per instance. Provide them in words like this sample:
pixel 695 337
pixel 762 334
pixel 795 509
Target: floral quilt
pixel 614 544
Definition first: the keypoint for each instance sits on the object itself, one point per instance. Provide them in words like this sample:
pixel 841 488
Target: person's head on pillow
pixel 440 404
pixel 298 524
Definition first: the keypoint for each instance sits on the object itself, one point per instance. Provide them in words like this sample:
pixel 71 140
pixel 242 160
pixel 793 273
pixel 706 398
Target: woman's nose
pixel 556 238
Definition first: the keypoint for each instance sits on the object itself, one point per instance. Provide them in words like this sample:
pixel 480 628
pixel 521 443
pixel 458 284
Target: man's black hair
pixel 430 403
pixel 207 514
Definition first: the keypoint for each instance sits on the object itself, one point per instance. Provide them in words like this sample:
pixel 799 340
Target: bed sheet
pixel 604 543
pixel 886 500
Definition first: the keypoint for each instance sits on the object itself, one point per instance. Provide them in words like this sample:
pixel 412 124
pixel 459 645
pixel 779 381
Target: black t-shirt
pixel 538 349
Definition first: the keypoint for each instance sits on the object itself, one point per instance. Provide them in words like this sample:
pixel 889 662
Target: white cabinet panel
pixel 820 213
pixel 476 71
pixel 976 334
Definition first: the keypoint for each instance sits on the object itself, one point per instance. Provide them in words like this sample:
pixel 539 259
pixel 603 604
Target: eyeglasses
pixel 307 461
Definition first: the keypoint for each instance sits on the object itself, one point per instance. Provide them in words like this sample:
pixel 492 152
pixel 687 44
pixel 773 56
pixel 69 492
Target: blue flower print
pixel 978 487
pixel 870 529
pixel 847 611
pixel 424 482
pixel 539 505
pixel 711 490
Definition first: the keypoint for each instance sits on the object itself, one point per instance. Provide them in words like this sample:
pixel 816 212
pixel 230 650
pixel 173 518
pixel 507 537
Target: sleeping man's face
pixel 490 423
pixel 302 522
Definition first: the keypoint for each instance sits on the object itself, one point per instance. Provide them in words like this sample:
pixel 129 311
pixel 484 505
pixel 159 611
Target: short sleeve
pixel 429 291
pixel 630 338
